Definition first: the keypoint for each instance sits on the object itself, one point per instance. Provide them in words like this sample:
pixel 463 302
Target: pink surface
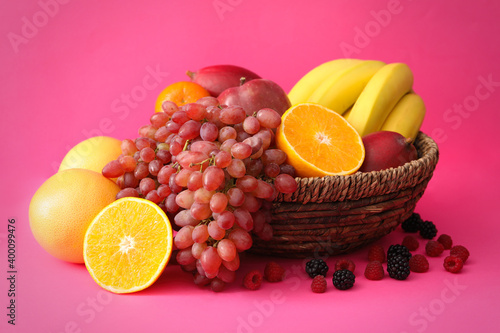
pixel 74 69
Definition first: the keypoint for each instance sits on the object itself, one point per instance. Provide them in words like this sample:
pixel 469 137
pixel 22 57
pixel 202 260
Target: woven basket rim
pixel 366 184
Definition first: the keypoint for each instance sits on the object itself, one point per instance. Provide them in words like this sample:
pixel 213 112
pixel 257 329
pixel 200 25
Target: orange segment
pixel 182 92
pixel 128 245
pixel 319 141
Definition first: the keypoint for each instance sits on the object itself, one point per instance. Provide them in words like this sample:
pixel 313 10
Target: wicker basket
pixel 337 214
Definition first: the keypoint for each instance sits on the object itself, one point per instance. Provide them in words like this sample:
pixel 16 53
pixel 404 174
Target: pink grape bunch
pixel 215 171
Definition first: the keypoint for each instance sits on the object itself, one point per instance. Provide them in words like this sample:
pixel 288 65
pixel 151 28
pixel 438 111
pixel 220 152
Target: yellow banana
pixel 379 97
pixel 407 116
pixel 339 91
pixel 304 88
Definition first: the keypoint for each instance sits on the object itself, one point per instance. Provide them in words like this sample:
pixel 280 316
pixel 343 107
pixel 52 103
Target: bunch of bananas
pixel 372 95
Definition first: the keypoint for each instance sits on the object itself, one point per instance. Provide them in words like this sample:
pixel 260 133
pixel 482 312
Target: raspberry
pixel 316 267
pixel 446 241
pixel 461 252
pixel 419 264
pixel 374 270
pixel 253 280
pixel 434 248
pixel 398 267
pixel 274 272
pixel 412 224
pixel 453 264
pixel 428 230
pixel 398 249
pixel 345 264
pixel 318 284
pixel 376 253
pixel 410 242
pixel 343 279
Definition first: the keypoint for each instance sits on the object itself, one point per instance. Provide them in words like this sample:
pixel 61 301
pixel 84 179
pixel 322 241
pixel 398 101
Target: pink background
pixel 67 65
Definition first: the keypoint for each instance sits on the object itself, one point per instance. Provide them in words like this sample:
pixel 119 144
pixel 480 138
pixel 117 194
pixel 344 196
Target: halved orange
pixel 319 142
pixel 182 92
pixel 128 245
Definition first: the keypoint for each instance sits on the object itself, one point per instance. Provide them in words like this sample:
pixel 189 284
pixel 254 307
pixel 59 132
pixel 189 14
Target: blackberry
pixel 398 250
pixel 428 230
pixel 412 224
pixel 316 267
pixel 398 267
pixel 343 279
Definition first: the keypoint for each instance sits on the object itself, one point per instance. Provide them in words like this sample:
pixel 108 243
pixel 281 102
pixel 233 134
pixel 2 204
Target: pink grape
pixel 255 143
pixel 198 247
pixel 210 261
pixel 154 167
pixel 264 190
pixel 251 203
pixel 254 167
pixel 226 133
pixel 164 174
pixel 128 147
pixel 265 135
pixel 141 170
pixel 128 163
pixel 202 195
pixel 236 168
pixel 183 239
pixel 127 192
pixel 164 191
pixel 200 233
pixel 241 239
pixel 259 219
pixel 153 196
pixel 113 169
pixel 147 154
pixel 215 231
pixel 274 156
pixel 234 264
pixel 235 197
pixel 182 177
pixel 205 147
pixel 224 275
pixel 142 143
pixel 285 183
pixel 232 115
pixel 169 107
pixel 180 117
pixel 243 219
pixel 226 249
pixel 159 119
pixel 172 126
pixel 173 185
pixel 190 130
pixel 185 199
pixel 200 211
pixel 162 134
pixel 192 160
pixel 272 170
pixel 195 111
pixel 164 156
pixel 241 150
pixel 222 159
pixel 226 220
pixel 213 113
pixel 195 180
pixel 146 185
pixel 184 218
pixel 213 177
pixel 226 145
pixel 216 284
pixel 268 118
pixel 251 125
pixel 242 136
pixel 147 131
pixel 171 204
pixel 185 257
pixel 129 180
pixel 247 183
pixel 209 131
pixel 218 202
pixel 208 101
pixel 288 169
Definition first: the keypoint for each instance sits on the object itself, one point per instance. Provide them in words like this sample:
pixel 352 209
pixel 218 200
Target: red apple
pixel 215 79
pixel 255 95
